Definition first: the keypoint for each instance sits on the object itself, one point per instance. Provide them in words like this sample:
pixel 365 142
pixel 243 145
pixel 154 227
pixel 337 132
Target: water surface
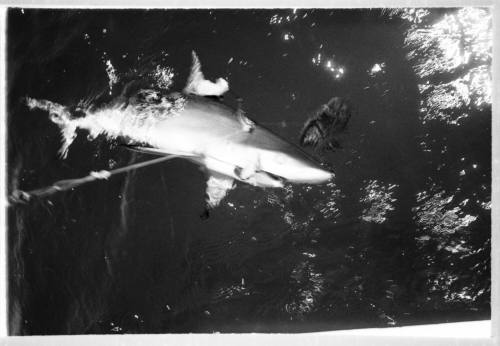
pixel 402 236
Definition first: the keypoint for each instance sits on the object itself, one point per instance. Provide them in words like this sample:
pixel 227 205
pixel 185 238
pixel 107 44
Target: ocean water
pixel 400 237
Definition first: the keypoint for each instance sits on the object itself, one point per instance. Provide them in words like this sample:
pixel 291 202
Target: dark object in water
pixel 205 214
pixel 330 119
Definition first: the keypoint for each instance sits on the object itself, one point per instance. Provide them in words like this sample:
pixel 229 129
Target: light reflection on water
pixel 458 45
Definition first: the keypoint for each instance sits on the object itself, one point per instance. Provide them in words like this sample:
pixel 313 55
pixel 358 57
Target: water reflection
pixel 452 58
pixel 379 200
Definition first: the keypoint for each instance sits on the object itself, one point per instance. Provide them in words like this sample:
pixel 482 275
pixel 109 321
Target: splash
pixel 112 75
pixel 163 77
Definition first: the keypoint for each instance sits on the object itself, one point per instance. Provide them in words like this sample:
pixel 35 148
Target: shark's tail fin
pixel 61 116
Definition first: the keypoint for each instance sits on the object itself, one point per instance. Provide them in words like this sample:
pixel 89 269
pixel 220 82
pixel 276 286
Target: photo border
pixel 438 334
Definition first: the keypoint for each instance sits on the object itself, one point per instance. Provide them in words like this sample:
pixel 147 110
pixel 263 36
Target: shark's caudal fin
pixel 62 117
pixel 330 119
pixel 198 85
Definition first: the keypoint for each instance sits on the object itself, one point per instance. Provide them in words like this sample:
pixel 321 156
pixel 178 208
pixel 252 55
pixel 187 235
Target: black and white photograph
pixel 290 170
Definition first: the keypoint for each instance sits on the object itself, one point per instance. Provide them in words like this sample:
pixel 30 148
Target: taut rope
pixel 19 196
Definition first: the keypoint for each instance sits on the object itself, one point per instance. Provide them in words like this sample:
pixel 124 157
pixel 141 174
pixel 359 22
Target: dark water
pixel 401 237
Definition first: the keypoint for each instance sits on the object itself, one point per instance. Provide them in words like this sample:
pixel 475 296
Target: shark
pixel 194 124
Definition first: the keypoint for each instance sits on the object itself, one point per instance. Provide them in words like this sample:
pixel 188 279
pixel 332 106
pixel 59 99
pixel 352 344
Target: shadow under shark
pixel 198 127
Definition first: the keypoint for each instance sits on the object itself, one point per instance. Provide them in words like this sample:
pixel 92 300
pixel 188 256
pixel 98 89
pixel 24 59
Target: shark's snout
pixel 309 174
pixel 319 176
pixel 296 169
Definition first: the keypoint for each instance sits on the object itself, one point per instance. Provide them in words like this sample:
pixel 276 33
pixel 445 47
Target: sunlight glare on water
pixel 462 40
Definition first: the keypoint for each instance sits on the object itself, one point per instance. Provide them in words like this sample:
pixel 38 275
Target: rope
pixel 23 197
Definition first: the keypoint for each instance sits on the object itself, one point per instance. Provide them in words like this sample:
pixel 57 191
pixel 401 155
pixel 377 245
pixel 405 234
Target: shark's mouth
pixel 279 179
pixel 266 179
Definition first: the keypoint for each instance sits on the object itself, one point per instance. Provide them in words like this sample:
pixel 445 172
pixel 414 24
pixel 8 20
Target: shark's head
pixel 295 168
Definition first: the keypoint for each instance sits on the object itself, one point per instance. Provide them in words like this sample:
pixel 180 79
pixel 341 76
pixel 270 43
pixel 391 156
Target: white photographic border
pixel 463 333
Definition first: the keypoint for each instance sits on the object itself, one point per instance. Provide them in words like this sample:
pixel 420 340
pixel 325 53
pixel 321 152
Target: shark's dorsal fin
pixel 198 85
pixel 195 76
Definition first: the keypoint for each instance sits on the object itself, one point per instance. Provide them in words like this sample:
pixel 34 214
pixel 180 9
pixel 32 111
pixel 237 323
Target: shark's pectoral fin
pixel 247 172
pixel 244 173
pixel 218 186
